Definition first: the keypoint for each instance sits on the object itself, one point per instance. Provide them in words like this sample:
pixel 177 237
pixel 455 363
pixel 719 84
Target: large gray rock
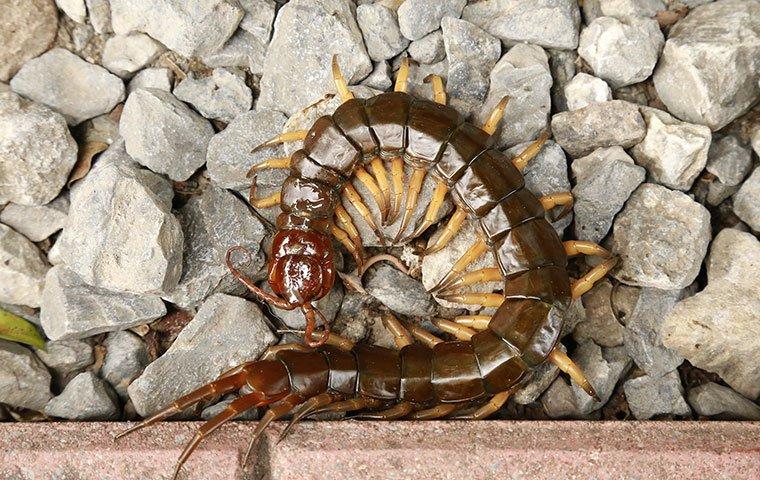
pixel 189 28
pixel 72 309
pixel 36 222
pixel 24 380
pixel 471 53
pixel 27 28
pixel 601 324
pixel 64 357
pixel 212 223
pixel 222 96
pixel 126 54
pixel 523 74
pixel 606 124
pixel 381 32
pixel 713 400
pixel 621 51
pixel 120 233
pixel 604 181
pixel 585 89
pixel 673 152
pixel 226 332
pixel 729 161
pixel 710 66
pixel 307 33
pixel 37 151
pixel 69 85
pixel 548 23
pixel 86 397
pixel 126 357
pixel 747 201
pixel 22 269
pixel 164 134
pixel 651 396
pixel 399 292
pixel 417 18
pixel 428 49
pixel 661 237
pixel 717 329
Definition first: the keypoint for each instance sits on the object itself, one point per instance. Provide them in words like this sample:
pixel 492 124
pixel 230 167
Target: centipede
pixel 490 357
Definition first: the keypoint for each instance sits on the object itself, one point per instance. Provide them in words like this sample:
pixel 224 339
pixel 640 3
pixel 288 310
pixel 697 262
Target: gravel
pixel 27 29
pixel 713 400
pixel 22 269
pixel 65 357
pixel 126 358
pixel 417 18
pixel 747 201
pixel 399 292
pixel 24 380
pixel 222 96
pixel 730 161
pixel 382 35
pixel 158 78
pixel 126 54
pixel 651 396
pixel 74 9
pixel 585 89
pixel 428 49
pixel 601 324
pixel 243 50
pixel 86 397
pixel 36 222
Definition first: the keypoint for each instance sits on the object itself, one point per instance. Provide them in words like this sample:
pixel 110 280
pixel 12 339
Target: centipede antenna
pixel 563 362
pixel 340 81
pixel 496 116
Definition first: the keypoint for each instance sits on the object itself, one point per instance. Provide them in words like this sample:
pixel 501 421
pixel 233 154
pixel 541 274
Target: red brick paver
pixel 394 450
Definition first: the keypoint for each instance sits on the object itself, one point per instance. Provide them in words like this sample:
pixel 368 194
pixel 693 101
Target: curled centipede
pixel 492 356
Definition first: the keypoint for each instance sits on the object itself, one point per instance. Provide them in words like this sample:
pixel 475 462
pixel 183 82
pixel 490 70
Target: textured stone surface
pixel 398 291
pixel 37 151
pixel 563 69
pixel 718 329
pixel 243 50
pixel 307 34
pixel 36 222
pixel 417 18
pixel 661 237
pixel 86 397
pixel 747 200
pixel 27 28
pixel 730 161
pixel 121 233
pixel 24 380
pixel 225 332
pixel 77 89
pixel 548 23
pixel 380 78
pixel 542 377
pixel 380 30
pixel 628 8
pixel 159 78
pixel 22 269
pixel 710 66
pixel 713 400
pixel 188 28
pixel 673 152
pixel 601 324
pixel 126 54
pixel 74 9
pixel 621 51
pixel 73 309
pixel 606 124
pixel 66 356
pixel 126 357
pixel 585 89
pixel 222 96
pixel 603 368
pixel 100 15
pixel 651 396
pixel 604 180
pixel 164 134
pixel 428 49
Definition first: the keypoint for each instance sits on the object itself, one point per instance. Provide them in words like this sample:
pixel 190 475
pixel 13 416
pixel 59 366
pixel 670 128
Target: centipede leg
pixel 278 410
pixel 307 408
pixel 484 275
pixel 427 338
pixel 586 282
pixel 448 232
pixel 349 405
pixel 272 351
pixel 402 76
pixel 439 411
pixel 476 322
pixel 399 410
pixel 563 362
pixel 522 158
pixel 370 184
pixel 340 81
pixel 415 186
pixel 294 136
pixel 397 177
pixel 352 196
pixel 496 116
pixel 472 298
pixel 459 331
pixel 401 335
pixel 494 404
pixel 264 202
pixel 342 237
pixel 439 194
pixel 476 250
pixel 579 247
pixel 273 163
pixel 563 199
pixel 439 92
pixel 381 176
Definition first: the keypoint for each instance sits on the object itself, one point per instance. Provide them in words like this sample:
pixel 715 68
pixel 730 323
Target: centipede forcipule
pixel 427 378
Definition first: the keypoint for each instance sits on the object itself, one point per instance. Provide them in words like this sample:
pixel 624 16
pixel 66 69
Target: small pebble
pixel 651 396
pixel 713 400
pixel 222 96
pixel 86 397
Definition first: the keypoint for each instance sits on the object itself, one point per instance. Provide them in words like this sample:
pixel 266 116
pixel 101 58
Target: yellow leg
pixel 369 183
pixel 459 331
pixel 378 170
pixel 401 335
pixel 522 159
pixel 402 76
pixel 564 199
pixel 483 275
pixel 279 162
pixel 449 231
pixel 586 282
pixel 399 410
pixel 415 185
pixel 439 411
pixel 496 402
pixel 563 362
pixel 293 136
pixel 350 405
pixel 266 202
pixel 342 237
pixel 347 224
pixel 439 194
pixel 476 322
pixel 397 176
pixel 471 298
pixel 341 342
pixel 439 92
pixel 427 338
pixel 476 250
pixel 496 115
pixel 340 82
pixel 353 197
pixel 578 247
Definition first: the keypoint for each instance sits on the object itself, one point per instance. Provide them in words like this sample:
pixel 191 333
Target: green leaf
pixel 16 329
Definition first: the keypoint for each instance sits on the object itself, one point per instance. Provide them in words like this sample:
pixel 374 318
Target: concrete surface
pixel 395 450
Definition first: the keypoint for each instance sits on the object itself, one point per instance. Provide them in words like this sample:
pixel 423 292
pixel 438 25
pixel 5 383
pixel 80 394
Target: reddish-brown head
pixel 301 266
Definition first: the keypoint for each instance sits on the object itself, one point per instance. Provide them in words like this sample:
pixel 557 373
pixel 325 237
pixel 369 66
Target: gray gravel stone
pixel 222 96
pixel 605 124
pixel 86 397
pixel 120 233
pixel 651 396
pixel 126 54
pixel 36 222
pixel 164 134
pixel 380 78
pixel 747 201
pixel 730 162
pixel 27 28
pixel 100 15
pixel 381 32
pixel 673 152
pixel 601 324
pixel 37 151
pixel 472 54
pixel 417 18
pixel 399 292
pixel 523 74
pixel 259 15
pixel 604 180
pixel 188 28
pixel 621 51
pixel 548 23
pixel 69 85
pixel 428 49
pixel 212 223
pixel 72 309
pixel 243 50
pixel 158 78
pixel 24 380
pixel 710 66
pixel 713 400
pixel 603 368
pixel 22 269
pixel 226 332
pixel 66 356
pixel 563 69
pixel 630 8
pixel 558 400
pixel 126 358
pixel 717 329
pixel 307 34
pixel 74 9
pixel 585 89
pixel 661 237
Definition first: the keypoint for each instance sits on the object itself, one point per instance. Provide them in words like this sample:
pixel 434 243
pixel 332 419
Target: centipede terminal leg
pixel 279 410
pixel 350 405
pixel 271 352
pixel 449 231
pixel 307 408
